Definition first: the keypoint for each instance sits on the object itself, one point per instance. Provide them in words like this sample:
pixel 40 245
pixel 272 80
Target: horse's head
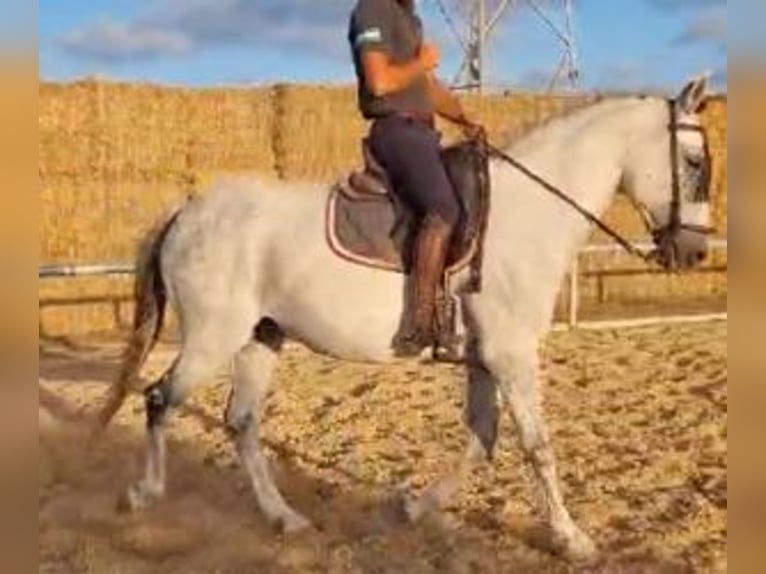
pixel 667 174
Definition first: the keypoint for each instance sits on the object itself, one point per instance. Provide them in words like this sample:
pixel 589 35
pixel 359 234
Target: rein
pixel 664 234
pixel 588 215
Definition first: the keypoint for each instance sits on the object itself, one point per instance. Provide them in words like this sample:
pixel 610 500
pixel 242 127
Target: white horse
pixel 247 265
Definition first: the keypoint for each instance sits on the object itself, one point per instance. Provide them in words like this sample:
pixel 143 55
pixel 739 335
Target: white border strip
pixel 53 271
pixel 713 243
pixel 640 322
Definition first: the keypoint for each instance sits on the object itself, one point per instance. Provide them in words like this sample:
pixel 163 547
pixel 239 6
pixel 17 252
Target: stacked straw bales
pixel 115 157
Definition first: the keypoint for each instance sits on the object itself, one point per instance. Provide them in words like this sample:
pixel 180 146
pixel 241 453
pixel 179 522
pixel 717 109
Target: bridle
pixel 666 237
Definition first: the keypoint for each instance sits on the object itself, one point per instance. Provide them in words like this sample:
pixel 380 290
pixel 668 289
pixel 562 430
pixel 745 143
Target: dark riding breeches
pixel 409 151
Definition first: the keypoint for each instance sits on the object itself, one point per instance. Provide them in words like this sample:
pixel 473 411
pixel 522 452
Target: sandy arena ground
pixel 638 419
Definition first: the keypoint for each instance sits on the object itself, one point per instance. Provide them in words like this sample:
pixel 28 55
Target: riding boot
pixel 430 255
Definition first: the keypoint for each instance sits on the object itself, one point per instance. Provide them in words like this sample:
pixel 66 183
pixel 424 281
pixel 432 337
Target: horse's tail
pixel 149 314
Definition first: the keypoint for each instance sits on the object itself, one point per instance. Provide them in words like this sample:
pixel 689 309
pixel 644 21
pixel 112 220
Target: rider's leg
pixel 428 268
pixel 410 152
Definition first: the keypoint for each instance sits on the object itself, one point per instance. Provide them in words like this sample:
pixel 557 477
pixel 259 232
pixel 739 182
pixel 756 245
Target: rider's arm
pixel 383 77
pixel 447 106
pixel 445 102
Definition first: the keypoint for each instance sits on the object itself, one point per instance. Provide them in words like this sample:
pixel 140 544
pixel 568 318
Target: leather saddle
pixel 372 180
pixel 368 225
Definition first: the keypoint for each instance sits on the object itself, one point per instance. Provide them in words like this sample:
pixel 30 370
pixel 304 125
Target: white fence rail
pixel 573 319
pixel 59 271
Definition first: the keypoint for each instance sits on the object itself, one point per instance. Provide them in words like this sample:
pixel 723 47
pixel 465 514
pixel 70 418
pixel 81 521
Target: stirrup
pixel 412 344
pixel 449 346
pixel 451 350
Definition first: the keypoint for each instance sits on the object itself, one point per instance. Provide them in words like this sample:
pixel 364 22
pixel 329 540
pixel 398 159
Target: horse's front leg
pixel 481 417
pixel 516 371
pixel 253 370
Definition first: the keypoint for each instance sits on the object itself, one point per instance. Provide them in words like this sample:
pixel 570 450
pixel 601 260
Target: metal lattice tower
pixel 473 23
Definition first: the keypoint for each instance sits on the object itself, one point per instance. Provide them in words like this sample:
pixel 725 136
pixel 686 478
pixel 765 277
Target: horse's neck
pixel 582 156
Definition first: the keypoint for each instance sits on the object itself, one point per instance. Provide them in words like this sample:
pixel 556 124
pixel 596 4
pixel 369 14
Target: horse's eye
pixel 694 162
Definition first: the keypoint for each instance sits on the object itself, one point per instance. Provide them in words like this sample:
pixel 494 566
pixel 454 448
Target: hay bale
pixel 94 223
pixel 507 116
pixel 318 132
pixel 67 128
pixel 113 158
pixel 716 127
pixel 95 131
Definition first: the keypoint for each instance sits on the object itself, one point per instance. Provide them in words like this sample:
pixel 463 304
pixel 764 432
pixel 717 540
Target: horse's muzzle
pixel 683 249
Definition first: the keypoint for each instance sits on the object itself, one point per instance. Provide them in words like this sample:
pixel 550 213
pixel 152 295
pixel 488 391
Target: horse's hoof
pixel 394 509
pixel 295 523
pixel 417 508
pixel 402 508
pixel 138 497
pixel 411 508
pixel 576 547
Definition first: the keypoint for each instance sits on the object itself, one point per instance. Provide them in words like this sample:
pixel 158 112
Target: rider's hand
pixel 473 131
pixel 429 56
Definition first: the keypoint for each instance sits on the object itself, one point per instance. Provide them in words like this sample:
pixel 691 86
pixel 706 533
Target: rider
pixel 399 92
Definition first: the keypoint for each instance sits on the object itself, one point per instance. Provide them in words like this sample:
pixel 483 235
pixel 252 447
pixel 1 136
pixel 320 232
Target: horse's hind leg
pixel 203 353
pixel 152 486
pixel 253 369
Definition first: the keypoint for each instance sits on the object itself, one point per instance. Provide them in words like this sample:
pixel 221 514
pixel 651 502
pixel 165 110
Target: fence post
pixel 574 291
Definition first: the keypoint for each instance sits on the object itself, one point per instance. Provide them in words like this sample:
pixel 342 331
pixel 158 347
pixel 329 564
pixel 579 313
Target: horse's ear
pixel 692 97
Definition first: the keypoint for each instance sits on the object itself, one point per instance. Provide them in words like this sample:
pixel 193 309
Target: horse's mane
pixel 570 106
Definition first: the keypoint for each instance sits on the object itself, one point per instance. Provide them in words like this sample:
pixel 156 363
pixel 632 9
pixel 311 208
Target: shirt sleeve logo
pixel 369 36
